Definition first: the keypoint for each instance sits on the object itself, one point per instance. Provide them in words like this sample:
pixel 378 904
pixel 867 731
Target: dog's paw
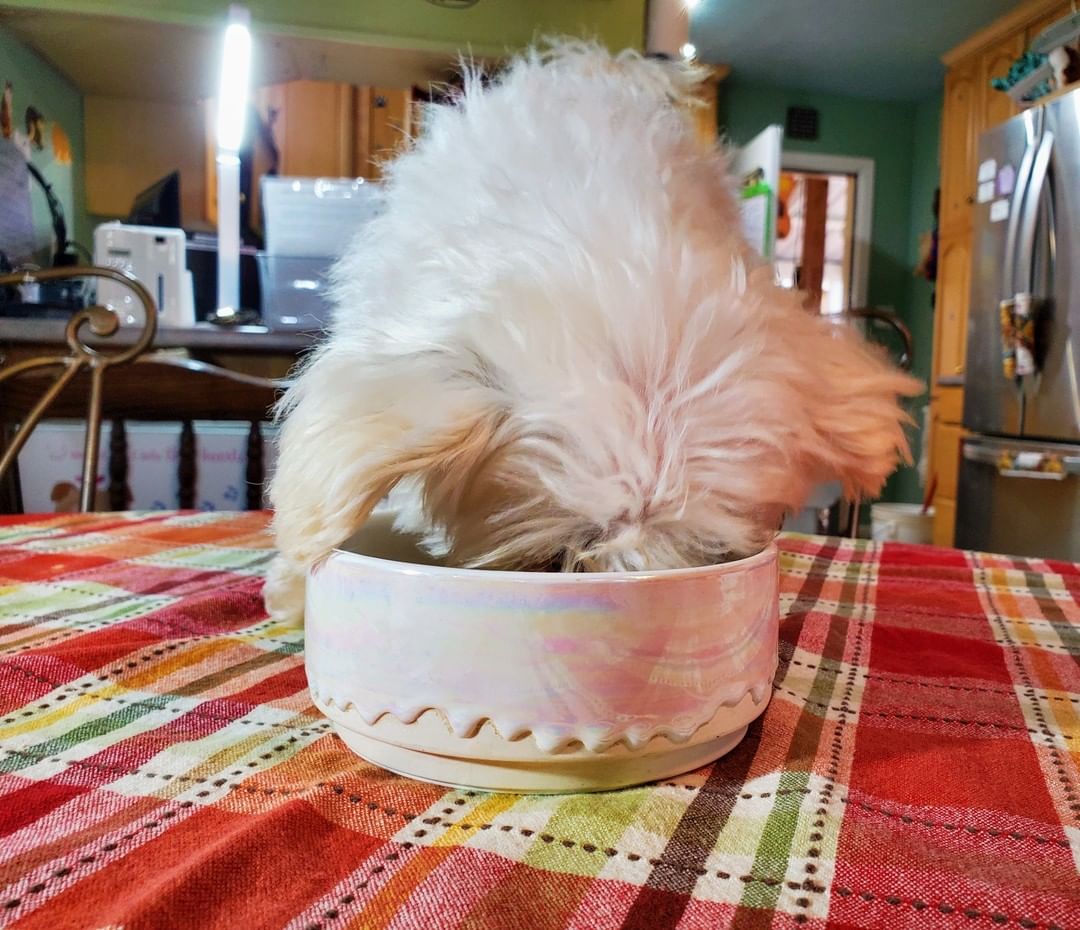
pixel 283 592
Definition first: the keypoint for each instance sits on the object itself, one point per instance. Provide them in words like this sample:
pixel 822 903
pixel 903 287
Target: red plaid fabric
pixel 162 765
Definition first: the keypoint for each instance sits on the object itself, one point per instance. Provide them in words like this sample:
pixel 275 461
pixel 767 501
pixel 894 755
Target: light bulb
pixel 688 51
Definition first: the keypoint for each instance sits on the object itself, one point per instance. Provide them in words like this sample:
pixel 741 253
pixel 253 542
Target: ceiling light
pixel 691 4
pixel 688 51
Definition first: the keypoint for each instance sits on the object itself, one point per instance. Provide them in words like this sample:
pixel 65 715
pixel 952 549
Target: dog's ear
pixel 342 450
pixel 858 423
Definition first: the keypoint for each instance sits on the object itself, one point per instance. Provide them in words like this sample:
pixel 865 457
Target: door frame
pixel 863 170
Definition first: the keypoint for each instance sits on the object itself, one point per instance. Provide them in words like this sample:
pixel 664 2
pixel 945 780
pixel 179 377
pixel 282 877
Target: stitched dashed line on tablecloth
pixel 1060 648
pixel 77 631
pixel 244 632
pixel 143 610
pixel 151 705
pixel 89 858
pixel 194 712
pixel 220 782
pixel 590 848
pixel 99 624
pixel 213 580
pixel 917 904
pixel 832 774
pixel 1004 692
pixel 996 619
pixel 798 607
pixel 343 791
pixel 737 794
pixel 953 827
pixel 843 709
pixel 112 846
pixel 77 689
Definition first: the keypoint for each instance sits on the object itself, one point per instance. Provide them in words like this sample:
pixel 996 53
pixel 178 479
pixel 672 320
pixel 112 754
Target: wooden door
pixel 996 105
pixel 958 125
pixel 953 287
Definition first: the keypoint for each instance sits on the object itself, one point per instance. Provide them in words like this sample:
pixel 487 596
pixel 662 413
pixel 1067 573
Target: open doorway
pixel 825 211
pixel 815 237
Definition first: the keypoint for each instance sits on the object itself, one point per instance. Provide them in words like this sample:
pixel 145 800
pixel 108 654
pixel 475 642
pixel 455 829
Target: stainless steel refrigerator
pixel 1019 486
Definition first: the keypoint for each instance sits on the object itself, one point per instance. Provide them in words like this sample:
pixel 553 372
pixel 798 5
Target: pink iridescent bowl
pixel 533 682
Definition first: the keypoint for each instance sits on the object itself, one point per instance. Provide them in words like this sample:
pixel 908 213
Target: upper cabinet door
pixel 313 128
pixel 997 106
pixel 384 124
pixel 958 127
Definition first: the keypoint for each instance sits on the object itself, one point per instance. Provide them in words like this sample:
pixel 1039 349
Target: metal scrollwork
pixel 103 323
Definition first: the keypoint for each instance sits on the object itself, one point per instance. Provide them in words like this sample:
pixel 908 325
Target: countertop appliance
pixel 1019 483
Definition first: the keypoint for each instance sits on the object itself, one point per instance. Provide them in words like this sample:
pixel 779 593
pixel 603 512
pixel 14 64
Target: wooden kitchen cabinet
pixel 944 531
pixel 383 124
pixel 971 106
pixel 958 132
pixel 312 126
pixel 321 130
pixel 946 441
pixel 946 436
pixel 995 106
pixel 953 289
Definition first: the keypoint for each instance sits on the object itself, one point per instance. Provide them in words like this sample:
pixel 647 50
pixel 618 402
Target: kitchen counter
pixel 253 350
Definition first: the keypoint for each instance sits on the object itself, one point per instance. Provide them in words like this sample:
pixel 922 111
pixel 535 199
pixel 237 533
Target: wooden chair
pixel 98 385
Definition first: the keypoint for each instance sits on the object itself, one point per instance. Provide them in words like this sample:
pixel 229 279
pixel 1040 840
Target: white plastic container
pixel 316 217
pixel 294 294
pixel 902 523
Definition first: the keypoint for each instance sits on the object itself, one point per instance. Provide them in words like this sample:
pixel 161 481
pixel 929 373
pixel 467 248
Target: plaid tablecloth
pixel 163 765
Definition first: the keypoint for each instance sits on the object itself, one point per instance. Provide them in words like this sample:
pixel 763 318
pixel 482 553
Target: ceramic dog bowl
pixel 534 682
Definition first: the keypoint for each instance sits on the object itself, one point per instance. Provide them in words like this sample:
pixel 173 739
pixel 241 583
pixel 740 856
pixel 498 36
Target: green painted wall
pixel 36 83
pixel 919 315
pixel 902 140
pixel 489 28
pixel 853 127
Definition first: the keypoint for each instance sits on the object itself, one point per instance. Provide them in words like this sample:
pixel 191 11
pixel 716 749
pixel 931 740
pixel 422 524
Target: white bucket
pixel 902 523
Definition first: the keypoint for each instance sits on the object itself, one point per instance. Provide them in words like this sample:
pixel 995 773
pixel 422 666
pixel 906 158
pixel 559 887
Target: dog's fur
pixel 557 340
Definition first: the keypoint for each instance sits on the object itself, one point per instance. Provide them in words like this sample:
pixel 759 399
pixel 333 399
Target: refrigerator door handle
pixel 1025 243
pixel 1023 176
pixel 1045 464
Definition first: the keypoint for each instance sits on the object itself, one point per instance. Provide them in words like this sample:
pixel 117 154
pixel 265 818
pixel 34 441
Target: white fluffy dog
pixel 557 340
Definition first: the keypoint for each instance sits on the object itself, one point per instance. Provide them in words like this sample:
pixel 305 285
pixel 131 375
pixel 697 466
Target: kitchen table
pixel 163 766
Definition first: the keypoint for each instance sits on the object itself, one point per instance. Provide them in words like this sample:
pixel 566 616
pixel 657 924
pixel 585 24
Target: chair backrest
pixel 888 319
pixel 151 388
